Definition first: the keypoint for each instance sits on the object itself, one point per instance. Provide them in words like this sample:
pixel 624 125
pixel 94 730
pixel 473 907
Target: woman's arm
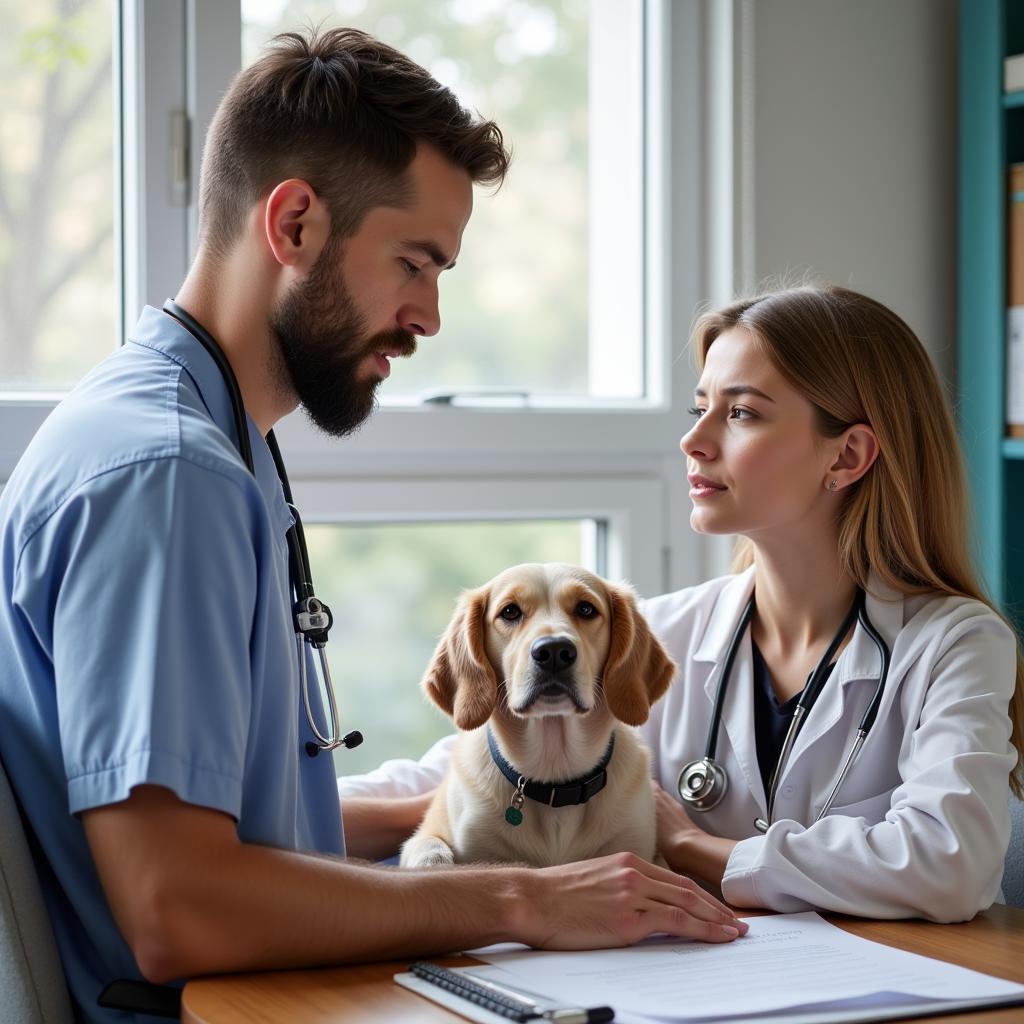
pixel 375 827
pixel 381 809
pixel 687 848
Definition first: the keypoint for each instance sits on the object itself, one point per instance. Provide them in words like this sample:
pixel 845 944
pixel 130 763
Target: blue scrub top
pixel 145 631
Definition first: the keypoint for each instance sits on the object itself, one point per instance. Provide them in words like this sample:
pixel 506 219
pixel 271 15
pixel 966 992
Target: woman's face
pixel 756 462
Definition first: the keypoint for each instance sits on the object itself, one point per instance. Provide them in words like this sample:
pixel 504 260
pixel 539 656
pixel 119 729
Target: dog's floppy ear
pixel 638 669
pixel 459 679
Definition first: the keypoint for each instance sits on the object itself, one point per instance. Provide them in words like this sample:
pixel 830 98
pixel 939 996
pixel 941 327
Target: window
pixel 59 286
pixel 392 584
pixel 546 297
pixel 576 285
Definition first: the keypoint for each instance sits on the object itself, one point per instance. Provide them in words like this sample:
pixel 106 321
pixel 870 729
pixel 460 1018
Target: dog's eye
pixel 511 613
pixel 585 610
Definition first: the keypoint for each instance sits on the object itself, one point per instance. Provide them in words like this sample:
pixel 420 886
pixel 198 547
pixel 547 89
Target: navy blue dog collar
pixel 554 794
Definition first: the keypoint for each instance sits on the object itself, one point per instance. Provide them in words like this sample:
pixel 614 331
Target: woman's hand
pixel 375 827
pixel 686 847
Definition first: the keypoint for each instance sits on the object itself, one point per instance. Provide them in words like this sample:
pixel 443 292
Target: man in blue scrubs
pixel 150 715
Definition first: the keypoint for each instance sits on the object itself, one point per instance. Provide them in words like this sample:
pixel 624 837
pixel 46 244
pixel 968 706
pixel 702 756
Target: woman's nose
pixel 696 444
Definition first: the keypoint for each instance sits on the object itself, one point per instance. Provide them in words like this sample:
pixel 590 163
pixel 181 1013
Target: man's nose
pixel 422 317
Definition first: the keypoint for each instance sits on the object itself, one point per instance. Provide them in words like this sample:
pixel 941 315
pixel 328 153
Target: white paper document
pixel 788 967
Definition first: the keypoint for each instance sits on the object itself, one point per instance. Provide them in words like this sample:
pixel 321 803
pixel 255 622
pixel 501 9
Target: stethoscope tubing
pixel 712 779
pixel 300 576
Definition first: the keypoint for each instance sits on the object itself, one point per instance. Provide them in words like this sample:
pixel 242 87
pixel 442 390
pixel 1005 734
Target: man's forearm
pixel 190 898
pixel 233 915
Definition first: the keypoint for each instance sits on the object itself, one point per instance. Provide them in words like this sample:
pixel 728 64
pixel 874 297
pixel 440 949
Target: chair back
pixel 1013 872
pixel 32 984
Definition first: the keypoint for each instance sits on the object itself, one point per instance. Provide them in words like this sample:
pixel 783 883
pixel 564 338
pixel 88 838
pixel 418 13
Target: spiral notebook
pixel 794 968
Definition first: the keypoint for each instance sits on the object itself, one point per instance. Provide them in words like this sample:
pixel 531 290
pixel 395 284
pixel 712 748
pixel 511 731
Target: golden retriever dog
pixel 544 670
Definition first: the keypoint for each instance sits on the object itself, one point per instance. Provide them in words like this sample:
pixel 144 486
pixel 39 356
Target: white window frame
pixel 630 509
pixel 614 462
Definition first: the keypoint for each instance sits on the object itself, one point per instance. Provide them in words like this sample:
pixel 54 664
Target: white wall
pixel 854 152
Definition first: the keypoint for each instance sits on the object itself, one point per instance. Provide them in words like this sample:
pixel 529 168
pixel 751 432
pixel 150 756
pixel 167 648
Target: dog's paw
pixel 426 852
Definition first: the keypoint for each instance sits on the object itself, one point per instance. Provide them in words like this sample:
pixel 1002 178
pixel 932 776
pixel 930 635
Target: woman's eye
pixel 585 610
pixel 738 413
pixel 511 613
pixel 696 412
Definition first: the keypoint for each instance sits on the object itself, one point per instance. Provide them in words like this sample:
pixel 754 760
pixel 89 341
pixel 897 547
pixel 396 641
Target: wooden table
pixel 365 994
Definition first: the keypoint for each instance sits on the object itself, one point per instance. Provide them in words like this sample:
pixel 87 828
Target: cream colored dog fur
pixel 555 660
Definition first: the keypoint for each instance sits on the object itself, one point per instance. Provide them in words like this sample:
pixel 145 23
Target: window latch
pixel 480 396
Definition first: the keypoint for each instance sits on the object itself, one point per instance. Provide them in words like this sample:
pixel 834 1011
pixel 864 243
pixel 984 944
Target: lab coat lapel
pixel 737 729
pixel 854 677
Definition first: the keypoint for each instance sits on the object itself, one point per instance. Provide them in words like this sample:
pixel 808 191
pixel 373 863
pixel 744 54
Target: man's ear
pixel 296 224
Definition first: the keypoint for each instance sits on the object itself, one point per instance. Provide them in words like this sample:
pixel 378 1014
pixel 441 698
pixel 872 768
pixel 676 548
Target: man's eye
pixel 411 269
pixel 585 610
pixel 511 613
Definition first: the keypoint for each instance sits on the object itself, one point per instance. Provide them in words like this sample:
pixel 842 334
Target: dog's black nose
pixel 553 653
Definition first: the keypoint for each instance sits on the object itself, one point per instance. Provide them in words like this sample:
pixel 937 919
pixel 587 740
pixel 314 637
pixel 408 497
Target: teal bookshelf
pixel 991 138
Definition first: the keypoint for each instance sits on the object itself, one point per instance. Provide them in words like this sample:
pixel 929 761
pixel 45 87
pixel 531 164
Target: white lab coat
pixel 920 825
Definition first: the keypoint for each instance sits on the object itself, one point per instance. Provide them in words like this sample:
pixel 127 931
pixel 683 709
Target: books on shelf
pixel 1015 302
pixel 1013 73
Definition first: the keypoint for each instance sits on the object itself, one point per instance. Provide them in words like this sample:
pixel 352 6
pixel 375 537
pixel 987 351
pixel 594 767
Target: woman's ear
pixel 638 669
pixel 460 679
pixel 858 453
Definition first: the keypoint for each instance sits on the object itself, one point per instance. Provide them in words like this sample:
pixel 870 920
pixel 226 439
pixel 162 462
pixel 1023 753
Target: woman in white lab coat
pixel 823 440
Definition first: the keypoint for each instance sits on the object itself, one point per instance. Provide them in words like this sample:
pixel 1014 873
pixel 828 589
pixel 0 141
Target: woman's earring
pixel 833 484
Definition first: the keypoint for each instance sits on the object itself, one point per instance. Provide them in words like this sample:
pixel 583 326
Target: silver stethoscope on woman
pixel 312 618
pixel 703 783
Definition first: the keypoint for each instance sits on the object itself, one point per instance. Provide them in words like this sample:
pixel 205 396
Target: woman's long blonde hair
pixel 908 518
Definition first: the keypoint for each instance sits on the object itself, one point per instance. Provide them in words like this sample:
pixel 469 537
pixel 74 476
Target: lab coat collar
pixel 883 603
pixel 725 614
pixel 162 333
pixel 858 667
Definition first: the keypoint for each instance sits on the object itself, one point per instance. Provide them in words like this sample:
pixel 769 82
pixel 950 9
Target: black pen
pixel 565 1015
pixel 525 1001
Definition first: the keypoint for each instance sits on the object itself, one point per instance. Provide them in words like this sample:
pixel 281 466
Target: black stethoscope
pixel 703 783
pixel 312 618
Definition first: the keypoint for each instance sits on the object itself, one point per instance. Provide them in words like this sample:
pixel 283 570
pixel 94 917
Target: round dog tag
pixel 513 815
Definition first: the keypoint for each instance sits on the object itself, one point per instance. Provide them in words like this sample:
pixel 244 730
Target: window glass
pixel 518 311
pixel 392 590
pixel 58 280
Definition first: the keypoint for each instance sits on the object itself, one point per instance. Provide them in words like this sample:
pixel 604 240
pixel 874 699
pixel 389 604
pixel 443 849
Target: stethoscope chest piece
pixel 702 784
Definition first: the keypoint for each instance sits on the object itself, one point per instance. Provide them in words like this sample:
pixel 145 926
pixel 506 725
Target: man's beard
pixel 321 344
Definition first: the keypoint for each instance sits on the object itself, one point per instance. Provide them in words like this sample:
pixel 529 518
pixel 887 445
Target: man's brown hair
pixel 345 113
